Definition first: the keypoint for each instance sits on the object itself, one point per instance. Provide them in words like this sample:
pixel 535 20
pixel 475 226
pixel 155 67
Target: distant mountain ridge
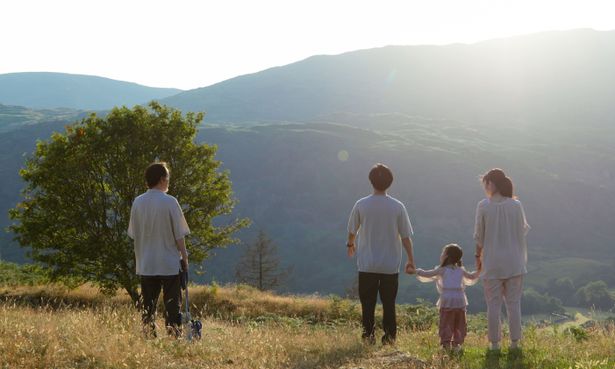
pixel 46 90
pixel 563 75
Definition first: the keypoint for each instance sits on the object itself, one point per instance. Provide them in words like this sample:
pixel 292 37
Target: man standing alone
pixel 383 227
pixel 158 227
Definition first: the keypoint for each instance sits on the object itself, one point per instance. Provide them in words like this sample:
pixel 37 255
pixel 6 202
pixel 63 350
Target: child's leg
pixel 460 327
pixel 446 326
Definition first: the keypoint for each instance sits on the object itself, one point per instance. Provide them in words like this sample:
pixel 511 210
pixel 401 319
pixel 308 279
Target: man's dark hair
pixel 155 172
pixel 381 177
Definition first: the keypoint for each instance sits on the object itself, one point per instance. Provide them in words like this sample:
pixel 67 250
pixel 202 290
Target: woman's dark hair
pixel 502 183
pixel 155 172
pixel 453 254
pixel 381 177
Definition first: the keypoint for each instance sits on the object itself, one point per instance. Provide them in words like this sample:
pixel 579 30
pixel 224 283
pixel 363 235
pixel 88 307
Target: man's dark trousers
pixel 171 294
pixel 370 285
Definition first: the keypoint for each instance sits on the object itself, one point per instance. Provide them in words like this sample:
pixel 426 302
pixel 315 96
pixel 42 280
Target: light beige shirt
pixel 380 222
pixel 156 222
pixel 501 228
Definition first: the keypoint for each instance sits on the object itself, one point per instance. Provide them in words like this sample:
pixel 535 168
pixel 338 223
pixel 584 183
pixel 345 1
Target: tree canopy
pixel 80 186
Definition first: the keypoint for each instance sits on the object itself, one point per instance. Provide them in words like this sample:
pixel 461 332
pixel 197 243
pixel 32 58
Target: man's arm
pixel 351 249
pixel 407 244
pixel 181 247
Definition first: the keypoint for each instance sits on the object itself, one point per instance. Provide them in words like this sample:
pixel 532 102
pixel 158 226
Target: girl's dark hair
pixel 502 183
pixel 155 172
pixel 453 254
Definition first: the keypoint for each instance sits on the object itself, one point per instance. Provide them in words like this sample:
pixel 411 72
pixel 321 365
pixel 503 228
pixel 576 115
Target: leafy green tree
pixel 595 294
pixel 563 289
pixel 80 186
pixel 535 303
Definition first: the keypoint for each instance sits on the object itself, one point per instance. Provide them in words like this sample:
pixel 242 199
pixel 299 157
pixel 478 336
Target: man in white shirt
pixel 158 227
pixel 381 226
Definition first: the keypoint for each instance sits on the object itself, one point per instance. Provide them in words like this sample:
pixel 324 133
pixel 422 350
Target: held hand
pixel 351 250
pixel 410 268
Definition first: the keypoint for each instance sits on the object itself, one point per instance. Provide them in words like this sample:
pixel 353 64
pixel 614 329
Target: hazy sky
pixel 189 44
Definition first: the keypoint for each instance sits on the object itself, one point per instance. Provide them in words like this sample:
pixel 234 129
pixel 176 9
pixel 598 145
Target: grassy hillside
pixel 49 326
pixel 291 182
pixel 289 179
pixel 577 269
pixel 44 90
pixel 16 117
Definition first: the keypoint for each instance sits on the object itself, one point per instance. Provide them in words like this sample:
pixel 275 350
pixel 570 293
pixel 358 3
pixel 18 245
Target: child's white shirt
pixel 451 282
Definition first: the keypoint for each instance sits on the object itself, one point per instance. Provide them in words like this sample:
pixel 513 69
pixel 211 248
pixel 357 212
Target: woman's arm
pixel 479 235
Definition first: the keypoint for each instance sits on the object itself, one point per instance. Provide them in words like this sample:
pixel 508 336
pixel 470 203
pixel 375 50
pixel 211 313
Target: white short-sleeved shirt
pixel 501 227
pixel 380 222
pixel 156 222
pixel 451 282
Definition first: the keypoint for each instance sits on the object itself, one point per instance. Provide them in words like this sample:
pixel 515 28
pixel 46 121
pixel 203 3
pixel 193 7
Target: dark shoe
pixel 388 340
pixel 174 331
pixel 149 331
pixel 369 339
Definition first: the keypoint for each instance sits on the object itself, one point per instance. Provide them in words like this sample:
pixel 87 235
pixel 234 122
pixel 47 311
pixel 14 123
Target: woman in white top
pixel 501 253
pixel 451 279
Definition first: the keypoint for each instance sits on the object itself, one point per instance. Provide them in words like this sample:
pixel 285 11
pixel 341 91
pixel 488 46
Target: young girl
pixel 451 279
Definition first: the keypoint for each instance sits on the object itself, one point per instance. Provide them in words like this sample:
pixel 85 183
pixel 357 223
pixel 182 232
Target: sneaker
pixel 494 346
pixel 515 344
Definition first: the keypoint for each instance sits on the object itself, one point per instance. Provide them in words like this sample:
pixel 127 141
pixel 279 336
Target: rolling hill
pixel 565 77
pixel 44 90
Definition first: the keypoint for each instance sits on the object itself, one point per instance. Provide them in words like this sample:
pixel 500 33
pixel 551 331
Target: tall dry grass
pixel 52 327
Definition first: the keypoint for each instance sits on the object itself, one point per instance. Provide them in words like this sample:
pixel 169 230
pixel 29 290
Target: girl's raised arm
pixel 470 279
pixel 428 275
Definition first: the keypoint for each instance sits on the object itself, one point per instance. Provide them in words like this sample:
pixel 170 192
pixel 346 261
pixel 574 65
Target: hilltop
pixel 47 90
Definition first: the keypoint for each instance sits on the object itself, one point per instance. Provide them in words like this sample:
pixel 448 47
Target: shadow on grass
pixel 55 301
pixel 514 359
pixel 335 357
